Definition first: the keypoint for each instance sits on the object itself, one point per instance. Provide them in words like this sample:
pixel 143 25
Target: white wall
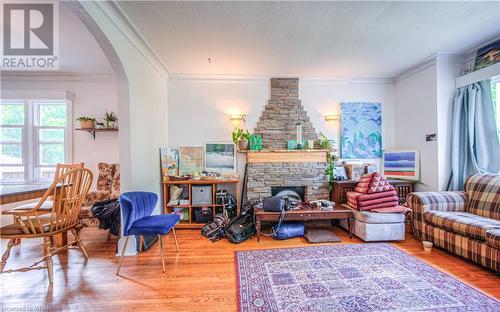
pixel 416 116
pixel 94 94
pixel 424 98
pixel 199 107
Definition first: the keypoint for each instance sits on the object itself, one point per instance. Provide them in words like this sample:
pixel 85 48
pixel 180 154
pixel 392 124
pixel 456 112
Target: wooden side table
pixel 303 215
pixel 340 188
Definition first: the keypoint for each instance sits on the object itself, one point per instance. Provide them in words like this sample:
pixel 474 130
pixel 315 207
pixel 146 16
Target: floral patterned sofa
pixel 108 187
pixel 465 223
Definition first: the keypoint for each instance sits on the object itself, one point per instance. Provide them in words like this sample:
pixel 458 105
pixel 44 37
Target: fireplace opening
pixel 293 193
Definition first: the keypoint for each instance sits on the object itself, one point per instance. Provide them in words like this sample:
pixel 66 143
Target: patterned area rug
pixel 360 277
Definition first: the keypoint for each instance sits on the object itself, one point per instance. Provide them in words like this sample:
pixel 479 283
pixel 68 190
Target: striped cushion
pixel 484 195
pixel 493 238
pixel 462 223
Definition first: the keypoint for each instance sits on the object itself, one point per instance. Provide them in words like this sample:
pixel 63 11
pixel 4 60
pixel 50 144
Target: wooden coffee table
pixel 304 215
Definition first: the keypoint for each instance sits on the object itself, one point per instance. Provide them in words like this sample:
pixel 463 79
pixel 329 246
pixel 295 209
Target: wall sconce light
pixel 237 117
pixel 331 117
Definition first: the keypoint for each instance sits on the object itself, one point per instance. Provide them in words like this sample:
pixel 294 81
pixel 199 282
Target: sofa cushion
pixel 493 238
pixel 484 195
pixel 464 223
pixel 377 217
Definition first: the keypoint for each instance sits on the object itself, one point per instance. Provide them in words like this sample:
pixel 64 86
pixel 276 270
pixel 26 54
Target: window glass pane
pixel 46 174
pixel 51 135
pixel 12 174
pixel 53 115
pixel 12 114
pixel 11 134
pixel 51 154
pixel 496 98
pixel 11 154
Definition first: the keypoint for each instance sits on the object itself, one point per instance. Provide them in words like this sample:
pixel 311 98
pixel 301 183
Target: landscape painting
pixel 401 164
pixel 220 156
pixel 361 131
pixel 190 160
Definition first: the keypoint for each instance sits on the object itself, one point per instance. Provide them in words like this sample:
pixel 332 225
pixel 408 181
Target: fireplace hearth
pixel 294 193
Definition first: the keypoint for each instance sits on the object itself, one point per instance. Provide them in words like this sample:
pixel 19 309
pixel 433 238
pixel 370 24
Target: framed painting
pixel 169 160
pixel 190 160
pixel 401 164
pixel 220 156
pixel 361 131
pixel 487 55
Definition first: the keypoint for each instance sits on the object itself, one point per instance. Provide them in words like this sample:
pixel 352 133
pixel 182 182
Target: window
pixel 495 86
pixel 34 137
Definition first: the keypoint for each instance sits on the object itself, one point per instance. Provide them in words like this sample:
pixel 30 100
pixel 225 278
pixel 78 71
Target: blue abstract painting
pixel 361 135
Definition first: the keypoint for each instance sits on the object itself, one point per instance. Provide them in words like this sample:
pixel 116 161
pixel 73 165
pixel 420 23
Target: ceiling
pixel 318 39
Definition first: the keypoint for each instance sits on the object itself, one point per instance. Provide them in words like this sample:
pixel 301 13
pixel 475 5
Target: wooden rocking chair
pixel 67 193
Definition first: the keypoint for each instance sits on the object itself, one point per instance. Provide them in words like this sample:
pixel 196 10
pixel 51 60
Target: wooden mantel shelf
pixel 287 156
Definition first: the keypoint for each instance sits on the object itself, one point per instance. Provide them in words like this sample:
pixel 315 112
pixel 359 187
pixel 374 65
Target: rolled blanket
pixel 376 201
pixel 370 207
pixel 363 197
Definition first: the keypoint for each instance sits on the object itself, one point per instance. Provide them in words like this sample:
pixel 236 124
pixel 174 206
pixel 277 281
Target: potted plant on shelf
pixel 241 139
pixel 110 119
pixel 86 122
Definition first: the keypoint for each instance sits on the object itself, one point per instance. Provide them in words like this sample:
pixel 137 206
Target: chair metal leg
pixel 175 239
pixel 160 237
pixel 123 252
pixel 80 244
pixel 48 258
pixel 6 254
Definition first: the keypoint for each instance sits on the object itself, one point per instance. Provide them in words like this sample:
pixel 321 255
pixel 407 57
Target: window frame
pixel 30 143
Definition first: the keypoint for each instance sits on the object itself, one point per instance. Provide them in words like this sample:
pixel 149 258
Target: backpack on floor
pixel 242 227
pixel 215 230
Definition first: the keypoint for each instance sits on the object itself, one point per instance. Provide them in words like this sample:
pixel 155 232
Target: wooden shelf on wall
pixel 93 131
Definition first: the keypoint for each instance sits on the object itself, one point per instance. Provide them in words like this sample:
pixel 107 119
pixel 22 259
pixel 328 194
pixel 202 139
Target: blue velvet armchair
pixel 137 208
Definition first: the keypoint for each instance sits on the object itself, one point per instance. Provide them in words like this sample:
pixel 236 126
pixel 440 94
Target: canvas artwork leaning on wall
pixel 401 164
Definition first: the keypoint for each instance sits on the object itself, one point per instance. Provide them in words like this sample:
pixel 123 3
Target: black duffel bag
pixel 242 227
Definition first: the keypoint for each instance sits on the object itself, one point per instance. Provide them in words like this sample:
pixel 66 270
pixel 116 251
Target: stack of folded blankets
pixel 373 193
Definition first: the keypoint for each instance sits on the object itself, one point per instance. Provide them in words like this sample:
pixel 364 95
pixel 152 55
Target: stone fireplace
pixel 275 166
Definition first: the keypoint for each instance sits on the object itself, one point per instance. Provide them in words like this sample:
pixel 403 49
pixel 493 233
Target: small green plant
pixel 330 169
pixel 239 135
pixel 85 118
pixel 324 143
pixel 110 117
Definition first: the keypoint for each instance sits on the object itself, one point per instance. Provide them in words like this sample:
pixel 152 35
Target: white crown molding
pixel 112 10
pixel 55 76
pixel 430 61
pixel 265 78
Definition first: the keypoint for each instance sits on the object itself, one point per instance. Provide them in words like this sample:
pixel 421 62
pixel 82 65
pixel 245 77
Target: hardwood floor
pixel 200 278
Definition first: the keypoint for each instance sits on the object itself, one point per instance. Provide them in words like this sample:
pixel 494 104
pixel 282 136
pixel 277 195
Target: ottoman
pixel 376 226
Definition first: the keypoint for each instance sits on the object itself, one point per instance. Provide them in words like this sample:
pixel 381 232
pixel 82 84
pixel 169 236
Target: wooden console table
pixel 303 215
pixel 340 188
